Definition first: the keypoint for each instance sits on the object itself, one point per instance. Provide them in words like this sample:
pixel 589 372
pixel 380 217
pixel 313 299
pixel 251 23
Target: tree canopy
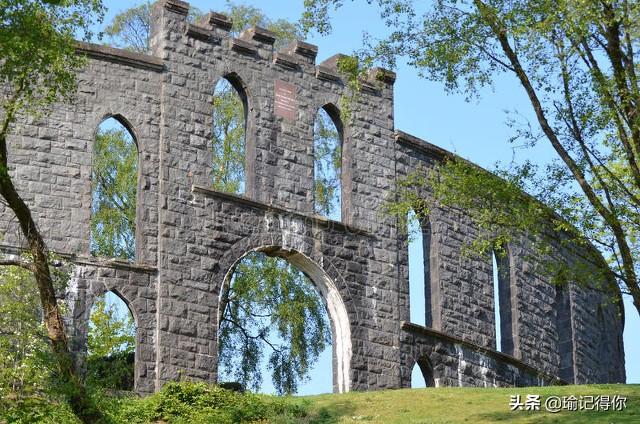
pixel 575 62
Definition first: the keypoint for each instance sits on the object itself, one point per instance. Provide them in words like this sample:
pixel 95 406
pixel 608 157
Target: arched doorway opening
pixel 299 277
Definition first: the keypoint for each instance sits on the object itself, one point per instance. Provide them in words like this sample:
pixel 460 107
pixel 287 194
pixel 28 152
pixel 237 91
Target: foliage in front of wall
pixel 189 402
pixel 111 372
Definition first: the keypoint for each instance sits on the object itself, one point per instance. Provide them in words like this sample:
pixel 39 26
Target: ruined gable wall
pixel 189 237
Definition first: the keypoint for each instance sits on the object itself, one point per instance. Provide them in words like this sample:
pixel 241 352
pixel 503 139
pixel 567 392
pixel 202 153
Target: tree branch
pixel 611 219
pixel 19 263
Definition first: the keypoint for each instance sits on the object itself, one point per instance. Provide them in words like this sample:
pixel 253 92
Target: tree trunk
pixel 608 215
pixel 74 389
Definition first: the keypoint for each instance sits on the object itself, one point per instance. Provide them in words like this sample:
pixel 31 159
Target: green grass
pixel 199 403
pixel 468 405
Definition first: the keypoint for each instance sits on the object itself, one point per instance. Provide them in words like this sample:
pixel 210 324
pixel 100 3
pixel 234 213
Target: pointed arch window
pixel 229 134
pixel 327 163
pixel 114 190
pixel 422 374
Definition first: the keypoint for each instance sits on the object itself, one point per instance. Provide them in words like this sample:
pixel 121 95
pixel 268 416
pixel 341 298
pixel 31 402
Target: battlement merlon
pixel 170 21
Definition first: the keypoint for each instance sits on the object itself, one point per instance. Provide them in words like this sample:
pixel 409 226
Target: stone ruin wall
pixel 189 237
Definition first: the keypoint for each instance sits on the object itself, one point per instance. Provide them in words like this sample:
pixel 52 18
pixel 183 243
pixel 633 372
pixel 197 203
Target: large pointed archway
pixel 328 291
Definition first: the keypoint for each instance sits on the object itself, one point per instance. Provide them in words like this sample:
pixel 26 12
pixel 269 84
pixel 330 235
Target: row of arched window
pixel 424 311
pixel 115 168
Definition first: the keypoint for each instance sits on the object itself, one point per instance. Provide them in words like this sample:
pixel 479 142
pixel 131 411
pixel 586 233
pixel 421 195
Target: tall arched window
pixel 502 301
pixel 229 136
pixel 417 284
pixel 114 186
pixel 111 344
pixel 327 163
pixel 564 329
pixel 419 270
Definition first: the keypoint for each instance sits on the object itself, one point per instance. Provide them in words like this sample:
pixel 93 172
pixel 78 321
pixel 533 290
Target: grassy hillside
pixel 468 405
pixel 199 403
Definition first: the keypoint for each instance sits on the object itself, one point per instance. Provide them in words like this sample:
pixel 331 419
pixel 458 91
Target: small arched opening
pixel 111 344
pixel 327 163
pixel 422 374
pixel 114 190
pixel 231 166
pixel 305 315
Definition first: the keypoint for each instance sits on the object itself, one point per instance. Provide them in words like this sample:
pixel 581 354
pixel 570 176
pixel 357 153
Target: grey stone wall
pixel 189 238
pixel 545 333
pixel 136 286
pixel 448 361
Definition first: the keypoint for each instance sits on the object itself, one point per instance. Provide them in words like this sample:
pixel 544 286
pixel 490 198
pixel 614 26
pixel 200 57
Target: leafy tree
pixel 111 346
pixel 23 345
pixel 39 67
pixel 267 297
pixel 130 28
pixel 576 63
pixel 244 16
pixel 109 333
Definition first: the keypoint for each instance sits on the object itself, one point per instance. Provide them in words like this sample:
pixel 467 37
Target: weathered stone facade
pixel 189 238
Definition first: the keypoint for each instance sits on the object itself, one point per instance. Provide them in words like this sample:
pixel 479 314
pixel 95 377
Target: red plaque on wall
pixel 285 100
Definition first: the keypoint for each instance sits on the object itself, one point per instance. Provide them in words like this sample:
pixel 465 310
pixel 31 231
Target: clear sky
pixel 476 130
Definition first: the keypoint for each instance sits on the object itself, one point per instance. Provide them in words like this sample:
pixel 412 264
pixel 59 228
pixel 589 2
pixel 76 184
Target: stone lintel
pixel 328 69
pixel 115 263
pixel 332 62
pixel 286 60
pixel 368 86
pixel 125 57
pixel 327 73
pixel 380 74
pixel 317 219
pixel 306 51
pixel 8 249
pixel 417 329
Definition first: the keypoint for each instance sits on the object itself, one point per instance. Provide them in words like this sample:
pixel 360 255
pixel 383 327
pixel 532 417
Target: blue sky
pixel 475 130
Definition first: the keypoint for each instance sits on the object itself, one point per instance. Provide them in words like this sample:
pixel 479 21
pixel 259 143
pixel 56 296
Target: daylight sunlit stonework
pixel 189 237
